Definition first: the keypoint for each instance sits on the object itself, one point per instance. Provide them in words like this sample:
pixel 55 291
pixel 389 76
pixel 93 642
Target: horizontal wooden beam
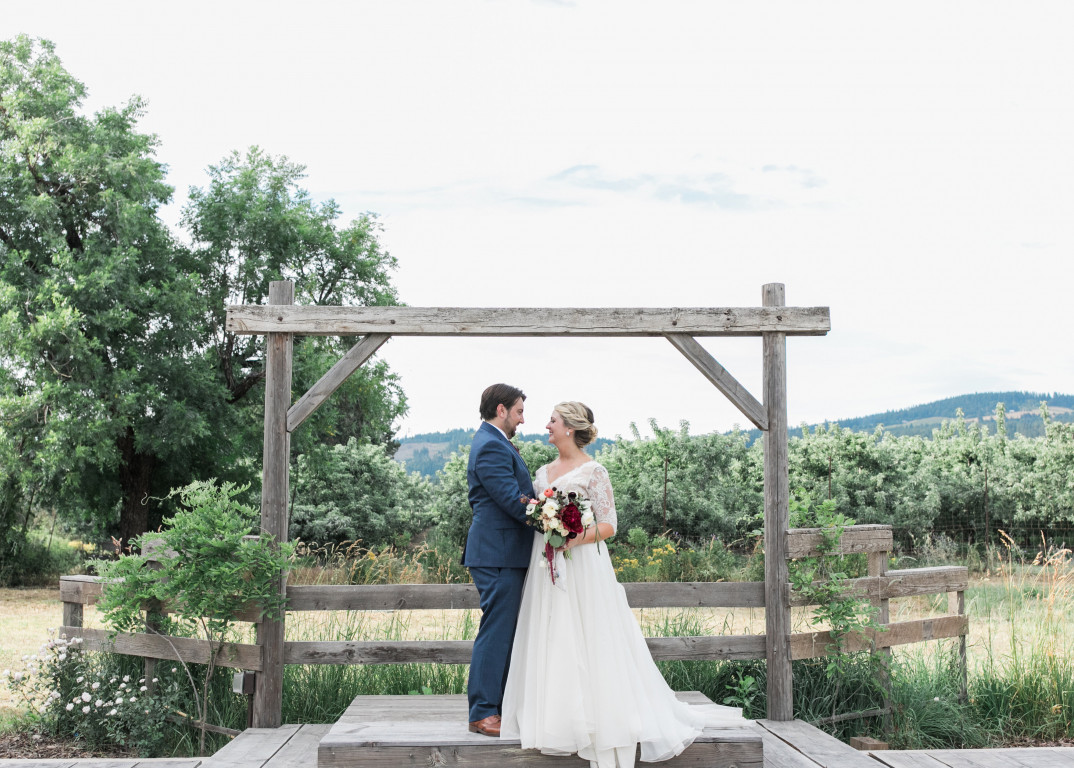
pixel 390 597
pixel 459 651
pixel 524 321
pixel 807 645
pixel 332 380
pixel 904 583
pixel 188 649
pixel 803 542
pixel 724 381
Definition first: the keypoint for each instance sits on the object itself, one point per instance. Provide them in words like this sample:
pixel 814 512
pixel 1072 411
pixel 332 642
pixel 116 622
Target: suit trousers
pixel 500 591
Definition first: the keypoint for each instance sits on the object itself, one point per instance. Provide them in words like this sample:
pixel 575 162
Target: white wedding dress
pixel 582 679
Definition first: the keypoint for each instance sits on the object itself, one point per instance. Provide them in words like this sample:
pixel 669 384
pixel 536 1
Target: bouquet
pixel 559 516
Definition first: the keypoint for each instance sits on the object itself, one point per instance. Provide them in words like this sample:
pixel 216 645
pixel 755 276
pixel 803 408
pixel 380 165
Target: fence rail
pixel 879 587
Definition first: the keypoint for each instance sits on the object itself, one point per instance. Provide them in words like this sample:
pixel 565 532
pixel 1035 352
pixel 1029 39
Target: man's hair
pixel 498 394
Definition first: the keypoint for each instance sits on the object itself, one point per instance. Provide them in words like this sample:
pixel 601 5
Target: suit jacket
pixel 497 478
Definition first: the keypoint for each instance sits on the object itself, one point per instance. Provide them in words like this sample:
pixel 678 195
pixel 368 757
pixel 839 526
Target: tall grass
pixel 1024 686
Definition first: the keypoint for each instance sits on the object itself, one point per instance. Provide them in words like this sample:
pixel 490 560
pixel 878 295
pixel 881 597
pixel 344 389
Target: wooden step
pixel 392 731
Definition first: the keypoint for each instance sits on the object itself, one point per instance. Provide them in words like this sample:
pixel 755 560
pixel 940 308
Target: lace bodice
pixel 590 479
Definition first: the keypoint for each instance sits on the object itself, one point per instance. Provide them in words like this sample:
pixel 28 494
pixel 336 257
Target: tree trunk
pixel 135 472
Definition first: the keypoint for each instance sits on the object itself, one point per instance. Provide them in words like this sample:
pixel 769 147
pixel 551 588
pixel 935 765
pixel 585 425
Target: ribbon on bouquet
pixel 555 561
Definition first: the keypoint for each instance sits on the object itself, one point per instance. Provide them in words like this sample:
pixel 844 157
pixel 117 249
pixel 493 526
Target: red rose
pixel 548 493
pixel 571 519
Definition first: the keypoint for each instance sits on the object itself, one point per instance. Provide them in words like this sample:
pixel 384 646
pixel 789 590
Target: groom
pixel 497 550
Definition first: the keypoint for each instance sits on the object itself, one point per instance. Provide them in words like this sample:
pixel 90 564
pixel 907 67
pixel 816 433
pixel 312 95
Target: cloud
pixel 807 178
pixel 709 189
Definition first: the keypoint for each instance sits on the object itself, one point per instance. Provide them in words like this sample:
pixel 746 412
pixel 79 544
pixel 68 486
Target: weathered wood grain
pixel 903 583
pixel 431 730
pixel 332 380
pixel 459 651
pixel 528 321
pixel 254 747
pixel 384 597
pixel 81 589
pixel 906 759
pixel 803 542
pixel 188 649
pixel 776 516
pixel 824 749
pixel 268 693
pixel 807 645
pixel 723 381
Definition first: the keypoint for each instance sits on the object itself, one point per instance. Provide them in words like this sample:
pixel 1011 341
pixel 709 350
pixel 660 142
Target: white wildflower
pixel 79 679
pixel 85 710
pixel 126 678
pixel 86 696
pixel 69 707
pixel 95 686
pixel 143 689
pixel 99 703
pixel 112 712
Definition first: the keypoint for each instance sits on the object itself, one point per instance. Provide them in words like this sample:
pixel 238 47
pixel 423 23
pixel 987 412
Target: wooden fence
pixel 880 586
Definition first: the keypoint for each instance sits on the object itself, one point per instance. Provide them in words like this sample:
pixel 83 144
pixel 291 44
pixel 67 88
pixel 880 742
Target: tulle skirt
pixel 582 679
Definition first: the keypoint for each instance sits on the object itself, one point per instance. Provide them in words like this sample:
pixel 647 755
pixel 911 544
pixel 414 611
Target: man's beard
pixel 509 430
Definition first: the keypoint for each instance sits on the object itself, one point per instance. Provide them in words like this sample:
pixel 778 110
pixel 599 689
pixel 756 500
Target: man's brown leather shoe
pixel 490 726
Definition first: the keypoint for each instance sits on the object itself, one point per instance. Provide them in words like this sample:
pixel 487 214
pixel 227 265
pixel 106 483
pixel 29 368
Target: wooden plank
pixel 332 380
pixel 88 590
pixel 528 321
pixel 1032 757
pixel 268 693
pixel 803 542
pixel 300 751
pixel 431 730
pixel 188 649
pixel 807 645
pixel 906 759
pixel 822 748
pixel 780 691
pixel 80 589
pixel 904 583
pixel 253 748
pixel 459 651
pixel 385 597
pixel 780 754
pixel 723 381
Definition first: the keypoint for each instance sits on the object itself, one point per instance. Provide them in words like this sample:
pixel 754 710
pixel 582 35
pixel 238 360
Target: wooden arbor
pixel 280 320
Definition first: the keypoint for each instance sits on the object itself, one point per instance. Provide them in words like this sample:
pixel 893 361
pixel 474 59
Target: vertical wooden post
pixel 268 694
pixel 72 614
pixel 956 603
pixel 878 566
pixel 777 610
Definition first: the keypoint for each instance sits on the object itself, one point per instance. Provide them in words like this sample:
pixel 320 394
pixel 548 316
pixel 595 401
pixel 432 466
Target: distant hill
pixel 1023 414
pixel 427 452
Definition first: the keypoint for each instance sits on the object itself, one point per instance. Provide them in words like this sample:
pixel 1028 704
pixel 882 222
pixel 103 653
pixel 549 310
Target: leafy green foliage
pixel 698 486
pixel 355 492
pixel 118 379
pixel 207 569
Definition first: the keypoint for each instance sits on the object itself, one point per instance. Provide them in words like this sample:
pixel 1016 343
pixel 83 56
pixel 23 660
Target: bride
pixel 581 678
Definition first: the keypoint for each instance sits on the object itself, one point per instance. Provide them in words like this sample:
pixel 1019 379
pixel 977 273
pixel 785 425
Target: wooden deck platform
pixel 793 744
pixel 392 731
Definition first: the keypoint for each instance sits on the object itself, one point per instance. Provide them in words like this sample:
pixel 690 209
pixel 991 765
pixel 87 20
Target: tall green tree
pixel 253 224
pixel 119 380
pixel 99 331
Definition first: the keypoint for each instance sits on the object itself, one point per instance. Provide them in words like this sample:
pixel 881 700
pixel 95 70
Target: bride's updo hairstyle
pixel 578 418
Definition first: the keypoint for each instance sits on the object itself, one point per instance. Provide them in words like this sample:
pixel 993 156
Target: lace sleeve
pixel 601 498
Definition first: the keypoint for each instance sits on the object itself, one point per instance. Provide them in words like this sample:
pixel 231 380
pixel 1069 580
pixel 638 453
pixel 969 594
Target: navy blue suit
pixel 497 553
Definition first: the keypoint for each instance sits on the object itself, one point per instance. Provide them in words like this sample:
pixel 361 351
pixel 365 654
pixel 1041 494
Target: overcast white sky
pixel 910 165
